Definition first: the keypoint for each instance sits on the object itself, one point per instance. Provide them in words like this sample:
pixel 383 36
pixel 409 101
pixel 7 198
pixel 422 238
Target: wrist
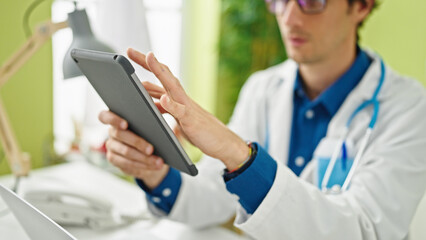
pixel 156 177
pixel 239 154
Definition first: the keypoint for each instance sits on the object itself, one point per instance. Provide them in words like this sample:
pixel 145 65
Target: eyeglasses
pixel 307 6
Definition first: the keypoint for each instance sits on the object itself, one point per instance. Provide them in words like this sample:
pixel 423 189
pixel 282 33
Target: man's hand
pixel 131 153
pixel 201 128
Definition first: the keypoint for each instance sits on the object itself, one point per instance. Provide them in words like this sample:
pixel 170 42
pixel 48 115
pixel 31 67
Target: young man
pixel 292 113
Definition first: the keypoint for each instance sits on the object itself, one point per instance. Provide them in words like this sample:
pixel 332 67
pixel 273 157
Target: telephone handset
pixel 80 209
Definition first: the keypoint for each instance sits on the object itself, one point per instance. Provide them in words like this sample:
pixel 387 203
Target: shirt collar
pixel 335 94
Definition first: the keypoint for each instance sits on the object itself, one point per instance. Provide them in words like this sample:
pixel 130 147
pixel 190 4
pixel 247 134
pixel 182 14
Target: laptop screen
pixel 35 223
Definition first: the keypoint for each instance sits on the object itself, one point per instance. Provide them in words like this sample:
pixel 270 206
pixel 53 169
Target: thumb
pixel 176 109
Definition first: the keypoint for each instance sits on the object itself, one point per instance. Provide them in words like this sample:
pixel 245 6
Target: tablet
pixel 114 79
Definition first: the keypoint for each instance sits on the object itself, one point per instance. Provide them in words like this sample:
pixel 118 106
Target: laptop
pixel 35 223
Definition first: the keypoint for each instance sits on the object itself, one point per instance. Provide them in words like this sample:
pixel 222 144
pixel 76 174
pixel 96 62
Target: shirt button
pixel 156 199
pixel 166 192
pixel 309 114
pixel 299 161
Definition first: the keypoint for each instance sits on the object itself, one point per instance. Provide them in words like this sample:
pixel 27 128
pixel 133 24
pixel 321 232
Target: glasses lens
pixel 276 6
pixel 312 6
pixel 307 6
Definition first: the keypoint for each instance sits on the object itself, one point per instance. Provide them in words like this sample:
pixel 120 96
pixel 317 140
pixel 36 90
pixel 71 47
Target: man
pixel 292 113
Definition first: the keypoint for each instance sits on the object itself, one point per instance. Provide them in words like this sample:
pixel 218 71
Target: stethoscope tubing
pixel 341 143
pixel 364 142
pixel 357 159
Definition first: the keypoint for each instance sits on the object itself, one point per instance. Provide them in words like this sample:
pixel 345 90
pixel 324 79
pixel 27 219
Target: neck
pixel 318 76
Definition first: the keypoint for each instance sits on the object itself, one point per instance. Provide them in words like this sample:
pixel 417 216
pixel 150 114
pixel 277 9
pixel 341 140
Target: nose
pixel 292 14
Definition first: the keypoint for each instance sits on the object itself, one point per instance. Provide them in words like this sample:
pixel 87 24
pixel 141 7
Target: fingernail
pixel 123 125
pixel 148 150
pixel 167 99
pixel 158 162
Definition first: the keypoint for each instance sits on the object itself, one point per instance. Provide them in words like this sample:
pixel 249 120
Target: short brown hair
pixel 364 2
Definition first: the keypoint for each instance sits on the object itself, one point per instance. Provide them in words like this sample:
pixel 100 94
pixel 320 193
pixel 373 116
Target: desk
pixel 126 197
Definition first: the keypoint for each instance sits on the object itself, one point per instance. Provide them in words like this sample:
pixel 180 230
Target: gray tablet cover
pixel 114 79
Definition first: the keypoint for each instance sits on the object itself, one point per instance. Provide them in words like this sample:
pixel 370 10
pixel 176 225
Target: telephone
pixel 80 194
pixel 78 209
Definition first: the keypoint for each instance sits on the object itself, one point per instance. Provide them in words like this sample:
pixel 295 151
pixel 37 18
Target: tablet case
pixel 114 79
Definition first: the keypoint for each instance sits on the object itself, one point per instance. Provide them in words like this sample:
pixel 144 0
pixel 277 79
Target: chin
pixel 297 56
pixel 295 53
pixel 300 56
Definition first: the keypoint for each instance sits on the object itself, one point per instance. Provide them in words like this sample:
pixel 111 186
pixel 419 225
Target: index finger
pixel 138 58
pixel 170 83
pixel 110 118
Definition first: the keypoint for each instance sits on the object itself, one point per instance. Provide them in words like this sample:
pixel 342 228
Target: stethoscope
pixel 341 145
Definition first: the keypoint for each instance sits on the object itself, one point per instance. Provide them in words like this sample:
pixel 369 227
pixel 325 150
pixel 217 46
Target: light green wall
pixel 200 54
pixel 397 31
pixel 28 94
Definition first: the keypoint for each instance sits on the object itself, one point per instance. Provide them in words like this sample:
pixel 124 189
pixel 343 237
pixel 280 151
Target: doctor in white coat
pixel 275 184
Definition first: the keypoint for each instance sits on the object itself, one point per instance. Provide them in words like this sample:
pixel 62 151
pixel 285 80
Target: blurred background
pixel 211 45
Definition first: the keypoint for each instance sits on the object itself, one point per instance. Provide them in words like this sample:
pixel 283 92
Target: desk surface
pixel 126 197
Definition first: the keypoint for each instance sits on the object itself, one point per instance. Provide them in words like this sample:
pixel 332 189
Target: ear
pixel 360 11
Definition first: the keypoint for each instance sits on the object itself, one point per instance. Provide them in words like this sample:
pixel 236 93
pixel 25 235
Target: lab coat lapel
pixel 280 113
pixel 362 92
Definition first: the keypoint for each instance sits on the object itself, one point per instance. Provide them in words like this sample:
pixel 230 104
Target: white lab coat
pixel 384 192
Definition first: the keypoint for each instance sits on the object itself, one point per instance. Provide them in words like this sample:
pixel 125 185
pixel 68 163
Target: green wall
pixel 28 94
pixel 200 55
pixel 397 31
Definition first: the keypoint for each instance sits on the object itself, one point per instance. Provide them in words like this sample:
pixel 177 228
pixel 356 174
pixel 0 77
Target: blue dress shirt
pixel 311 117
pixel 309 125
